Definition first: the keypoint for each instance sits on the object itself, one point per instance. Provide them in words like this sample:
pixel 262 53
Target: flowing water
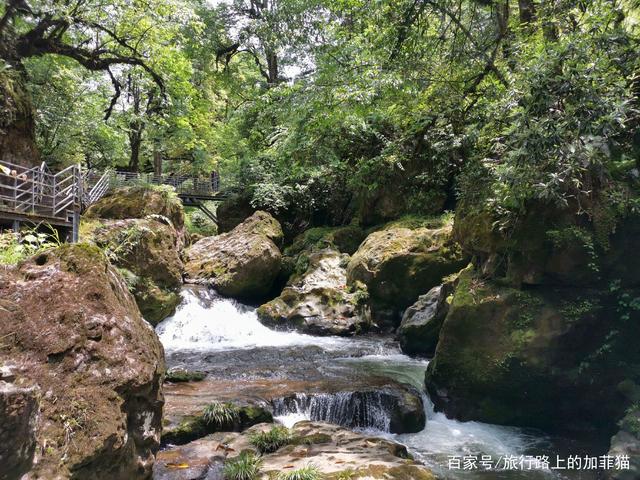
pixel 225 339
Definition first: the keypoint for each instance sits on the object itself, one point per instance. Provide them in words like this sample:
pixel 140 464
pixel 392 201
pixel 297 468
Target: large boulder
pixel 242 263
pixel 232 211
pixel 146 251
pixel 548 358
pixel 139 202
pixel 319 301
pixel 397 264
pixel 421 323
pixel 552 246
pixel 72 330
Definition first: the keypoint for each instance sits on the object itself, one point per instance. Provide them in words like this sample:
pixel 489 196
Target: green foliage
pixel 271 440
pixel 220 414
pixel 245 466
pixel 198 222
pixel 305 473
pixel 15 247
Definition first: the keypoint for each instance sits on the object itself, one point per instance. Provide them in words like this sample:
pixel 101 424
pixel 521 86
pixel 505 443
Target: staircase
pixel 37 195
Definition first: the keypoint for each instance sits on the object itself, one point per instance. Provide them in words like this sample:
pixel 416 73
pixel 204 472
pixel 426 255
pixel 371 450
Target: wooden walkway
pixel 38 195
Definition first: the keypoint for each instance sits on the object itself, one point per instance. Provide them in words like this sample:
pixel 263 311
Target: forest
pixel 421 257
pixel 333 109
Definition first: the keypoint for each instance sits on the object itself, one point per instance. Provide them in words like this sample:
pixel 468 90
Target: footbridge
pixel 38 195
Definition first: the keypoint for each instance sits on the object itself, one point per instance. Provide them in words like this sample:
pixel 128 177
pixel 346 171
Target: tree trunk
pixel 135 141
pixel 272 67
pixel 527 11
pixel 549 23
pixel 17 121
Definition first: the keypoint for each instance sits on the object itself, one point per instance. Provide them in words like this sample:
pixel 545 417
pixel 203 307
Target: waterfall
pixel 369 409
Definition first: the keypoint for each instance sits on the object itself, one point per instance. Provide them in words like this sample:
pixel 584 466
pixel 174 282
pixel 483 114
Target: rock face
pixel 398 264
pixel 147 253
pixel 529 357
pixel 319 301
pixel 335 451
pixel 139 202
pixel 73 330
pixel 627 443
pixel 18 415
pixel 233 211
pixel 421 323
pixel 242 263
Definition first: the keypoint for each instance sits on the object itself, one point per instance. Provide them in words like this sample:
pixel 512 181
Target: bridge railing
pixel 183 184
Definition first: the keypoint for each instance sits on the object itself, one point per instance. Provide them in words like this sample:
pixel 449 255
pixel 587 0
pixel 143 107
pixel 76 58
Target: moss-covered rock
pixel 243 263
pixel 545 357
pixel 343 239
pixel 233 211
pixel 197 426
pixel 140 202
pixel 73 330
pixel 399 264
pixel 319 301
pixel 551 246
pixel 147 253
pixel 178 375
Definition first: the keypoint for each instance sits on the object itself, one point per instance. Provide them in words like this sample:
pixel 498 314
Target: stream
pixel 240 356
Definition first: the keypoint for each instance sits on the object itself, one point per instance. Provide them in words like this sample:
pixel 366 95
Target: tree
pixel 95 34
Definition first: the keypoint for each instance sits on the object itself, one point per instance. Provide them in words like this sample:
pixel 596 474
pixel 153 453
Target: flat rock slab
pixel 187 399
pixel 331 449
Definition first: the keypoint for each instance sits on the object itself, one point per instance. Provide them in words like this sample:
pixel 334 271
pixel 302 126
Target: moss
pixel 313 439
pixel 414 222
pixel 344 239
pixel 197 426
pixel 80 258
pixel 155 303
pixel 181 375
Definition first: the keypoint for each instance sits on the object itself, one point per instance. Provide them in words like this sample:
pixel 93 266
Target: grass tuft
pixel 220 414
pixel 270 441
pixel 246 466
pixel 306 473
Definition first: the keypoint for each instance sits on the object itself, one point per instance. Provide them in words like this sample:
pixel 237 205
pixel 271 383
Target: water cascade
pixel 371 410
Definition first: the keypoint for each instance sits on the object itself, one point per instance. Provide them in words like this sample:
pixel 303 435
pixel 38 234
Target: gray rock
pixel 243 263
pixel 421 323
pixel 18 417
pixel 627 443
pixel 319 301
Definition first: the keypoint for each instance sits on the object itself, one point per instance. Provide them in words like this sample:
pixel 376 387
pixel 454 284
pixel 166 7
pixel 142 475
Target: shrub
pixel 244 467
pixel 268 442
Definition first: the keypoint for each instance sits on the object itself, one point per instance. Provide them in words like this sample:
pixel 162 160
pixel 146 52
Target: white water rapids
pixel 208 325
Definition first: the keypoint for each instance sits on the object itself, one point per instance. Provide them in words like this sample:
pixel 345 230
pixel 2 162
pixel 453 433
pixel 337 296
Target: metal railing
pixel 183 184
pixel 36 191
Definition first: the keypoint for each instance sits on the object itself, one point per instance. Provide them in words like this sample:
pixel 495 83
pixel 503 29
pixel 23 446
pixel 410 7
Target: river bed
pixel 240 356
